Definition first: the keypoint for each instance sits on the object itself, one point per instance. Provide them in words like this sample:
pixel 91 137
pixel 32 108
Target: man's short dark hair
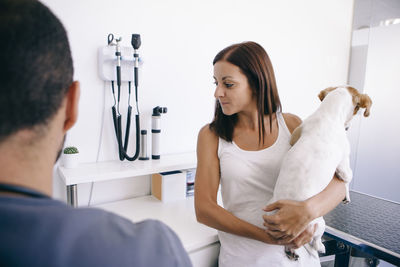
pixel 35 65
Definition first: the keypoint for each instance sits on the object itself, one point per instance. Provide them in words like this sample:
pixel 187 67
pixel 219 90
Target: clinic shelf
pixel 110 170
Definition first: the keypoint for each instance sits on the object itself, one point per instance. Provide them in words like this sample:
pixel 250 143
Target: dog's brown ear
pixel 322 95
pixel 324 92
pixel 356 101
pixel 365 102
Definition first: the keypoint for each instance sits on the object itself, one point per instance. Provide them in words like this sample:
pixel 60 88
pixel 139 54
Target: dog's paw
pixel 339 174
pixel 345 175
pixel 291 254
pixel 318 245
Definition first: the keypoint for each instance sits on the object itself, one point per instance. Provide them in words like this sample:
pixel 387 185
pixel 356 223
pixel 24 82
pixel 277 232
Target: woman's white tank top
pixel 247 183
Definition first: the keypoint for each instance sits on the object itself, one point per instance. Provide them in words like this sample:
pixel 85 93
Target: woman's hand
pixel 289 223
pixel 305 237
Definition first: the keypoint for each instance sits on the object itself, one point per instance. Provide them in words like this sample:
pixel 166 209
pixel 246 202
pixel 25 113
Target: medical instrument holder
pixel 107 63
pixel 122 147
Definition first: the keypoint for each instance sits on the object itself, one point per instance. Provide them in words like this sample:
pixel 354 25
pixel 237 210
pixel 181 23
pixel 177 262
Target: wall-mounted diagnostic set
pixel 118 65
pixel 119 75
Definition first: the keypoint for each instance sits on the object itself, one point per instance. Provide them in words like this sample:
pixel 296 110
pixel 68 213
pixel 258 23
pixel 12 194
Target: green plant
pixel 71 150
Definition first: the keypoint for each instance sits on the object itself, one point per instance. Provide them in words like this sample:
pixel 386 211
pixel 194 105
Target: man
pixel 38 104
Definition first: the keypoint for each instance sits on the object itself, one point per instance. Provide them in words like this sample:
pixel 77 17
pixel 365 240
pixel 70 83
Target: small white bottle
pixel 156 131
pixel 143 145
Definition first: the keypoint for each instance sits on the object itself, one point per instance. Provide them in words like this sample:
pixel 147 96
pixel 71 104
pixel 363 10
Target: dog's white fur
pixel 321 149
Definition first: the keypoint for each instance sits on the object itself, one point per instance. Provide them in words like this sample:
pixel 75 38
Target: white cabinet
pixel 206 256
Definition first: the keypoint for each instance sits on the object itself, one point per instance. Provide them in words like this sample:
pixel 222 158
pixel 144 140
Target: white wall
pixel 308 42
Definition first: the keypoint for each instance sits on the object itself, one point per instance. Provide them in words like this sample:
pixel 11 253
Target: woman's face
pixel 233 91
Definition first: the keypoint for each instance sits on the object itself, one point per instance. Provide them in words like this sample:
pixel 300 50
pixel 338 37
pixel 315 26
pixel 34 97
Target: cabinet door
pixel 377 170
pixel 206 256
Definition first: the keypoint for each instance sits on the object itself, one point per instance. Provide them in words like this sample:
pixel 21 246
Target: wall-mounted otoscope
pixel 123 146
pixel 156 131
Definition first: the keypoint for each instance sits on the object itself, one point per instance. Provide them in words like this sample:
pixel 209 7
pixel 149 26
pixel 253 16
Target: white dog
pixel 320 147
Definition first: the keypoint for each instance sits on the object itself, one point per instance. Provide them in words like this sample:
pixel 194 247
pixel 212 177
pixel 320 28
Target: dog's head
pixel 358 100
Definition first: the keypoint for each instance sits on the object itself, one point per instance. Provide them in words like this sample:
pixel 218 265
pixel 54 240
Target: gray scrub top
pixel 36 230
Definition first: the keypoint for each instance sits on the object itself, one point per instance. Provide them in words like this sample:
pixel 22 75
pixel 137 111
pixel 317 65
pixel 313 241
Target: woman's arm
pixel 207 180
pixel 293 217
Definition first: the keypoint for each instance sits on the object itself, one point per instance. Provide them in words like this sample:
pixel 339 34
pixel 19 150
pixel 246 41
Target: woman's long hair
pixel 255 64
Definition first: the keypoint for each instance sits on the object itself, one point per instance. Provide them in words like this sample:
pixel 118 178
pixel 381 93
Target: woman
pixel 242 150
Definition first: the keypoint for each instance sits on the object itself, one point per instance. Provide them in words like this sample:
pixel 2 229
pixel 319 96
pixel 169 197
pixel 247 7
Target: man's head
pixel 36 69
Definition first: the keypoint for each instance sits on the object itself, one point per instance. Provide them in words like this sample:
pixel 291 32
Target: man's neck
pixel 26 166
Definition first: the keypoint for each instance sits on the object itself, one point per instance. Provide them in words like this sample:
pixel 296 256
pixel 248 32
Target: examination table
pixel 368 227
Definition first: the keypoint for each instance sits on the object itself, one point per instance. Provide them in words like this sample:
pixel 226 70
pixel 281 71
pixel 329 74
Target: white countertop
pixel 178 215
pixel 110 170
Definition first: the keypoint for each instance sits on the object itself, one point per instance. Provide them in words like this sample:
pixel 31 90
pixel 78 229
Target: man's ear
pixel 71 111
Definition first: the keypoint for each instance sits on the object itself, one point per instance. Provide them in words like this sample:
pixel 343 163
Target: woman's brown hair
pixel 255 64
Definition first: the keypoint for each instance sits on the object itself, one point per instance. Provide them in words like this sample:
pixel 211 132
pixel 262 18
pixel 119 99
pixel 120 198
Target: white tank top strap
pixel 220 146
pixel 283 129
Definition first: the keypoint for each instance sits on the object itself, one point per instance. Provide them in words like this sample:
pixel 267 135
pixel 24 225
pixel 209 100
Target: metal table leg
pixel 340 250
pixel 342 258
pixel 72 195
pixel 343 252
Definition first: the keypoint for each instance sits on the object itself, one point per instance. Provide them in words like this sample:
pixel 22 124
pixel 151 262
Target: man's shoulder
pixel 130 243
